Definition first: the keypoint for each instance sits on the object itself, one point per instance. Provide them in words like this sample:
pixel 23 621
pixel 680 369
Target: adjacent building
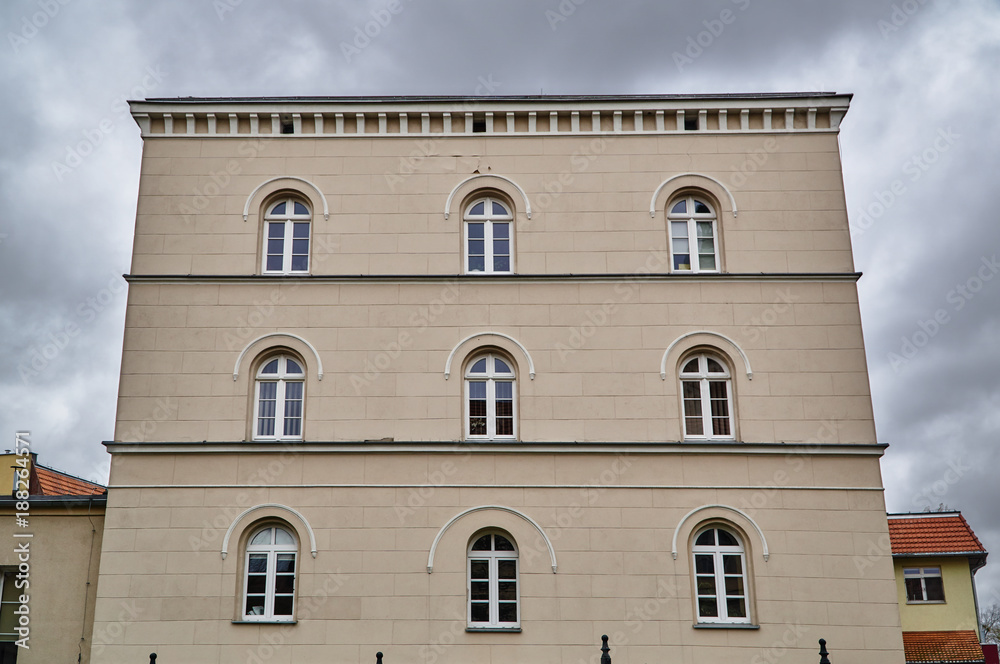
pixel 483 379
pixel 936 556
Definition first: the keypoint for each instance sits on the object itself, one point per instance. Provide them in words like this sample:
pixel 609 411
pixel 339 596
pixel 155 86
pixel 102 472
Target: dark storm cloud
pixel 918 149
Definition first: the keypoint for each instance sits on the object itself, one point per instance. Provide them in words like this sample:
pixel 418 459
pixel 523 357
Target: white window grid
pixel 289 378
pixel 491 377
pixel 294 256
pixel 704 378
pixel 495 224
pixel 493 558
pixel 683 227
pixel 272 552
pixel 722 596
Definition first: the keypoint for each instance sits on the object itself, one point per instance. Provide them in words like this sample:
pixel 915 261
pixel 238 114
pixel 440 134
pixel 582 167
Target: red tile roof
pixel 55 483
pixel 959 646
pixel 946 533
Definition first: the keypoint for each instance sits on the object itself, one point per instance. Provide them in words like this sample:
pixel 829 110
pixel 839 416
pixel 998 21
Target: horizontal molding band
pixel 411 447
pixel 734 487
pixel 493 279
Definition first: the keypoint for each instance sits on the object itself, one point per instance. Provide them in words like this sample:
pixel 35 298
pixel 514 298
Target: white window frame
pixel 704 378
pixel 717 552
pixel 288 219
pixel 271 551
pixel 490 378
pixel 493 557
pixel 488 219
pixel 692 218
pixel 8 606
pixel 282 378
pixel 923 573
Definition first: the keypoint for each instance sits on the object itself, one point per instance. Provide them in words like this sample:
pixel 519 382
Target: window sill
pixel 516 630
pixel 725 626
pixel 264 622
pixel 926 601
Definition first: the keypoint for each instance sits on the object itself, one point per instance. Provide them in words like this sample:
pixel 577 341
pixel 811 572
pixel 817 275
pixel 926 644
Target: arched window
pixel 269 577
pixel 720 577
pixel 489 404
pixel 488 237
pixel 286 237
pixel 279 398
pixel 494 590
pixel 707 397
pixel 694 243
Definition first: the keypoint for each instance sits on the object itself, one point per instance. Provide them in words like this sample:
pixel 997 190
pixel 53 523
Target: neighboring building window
pixel 269 588
pixel 923 584
pixel 279 399
pixel 694 244
pixel 488 224
pixel 493 582
pixel 707 398
pixel 8 604
pixel 286 237
pixel 489 406
pixel 720 577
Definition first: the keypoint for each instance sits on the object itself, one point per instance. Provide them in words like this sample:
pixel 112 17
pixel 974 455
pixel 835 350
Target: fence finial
pixel 378 658
pixel 605 657
pixel 823 659
pixel 152 658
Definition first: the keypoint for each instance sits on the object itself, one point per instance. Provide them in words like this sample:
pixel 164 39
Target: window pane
pixel 478 208
pixel 480 590
pixel 500 247
pixel 255 605
pixel 505 390
pixel 732 564
pixel 503 544
pixel 704 564
pixel 482 544
pixel 706 262
pixel 477 264
pixel 681 247
pixel 508 612
pixel 914 591
pixel 707 538
pixel 507 569
pixel 476 248
pixel 256 583
pixel 284 583
pixel 270 368
pixel 281 536
pixel 501 264
pixel 682 262
pixel 476 231
pixel 706 243
pixel 707 608
pixel 694 426
pixel 285 563
pixel 701 208
pixel 706 249
pixel 736 607
pixel 933 571
pixel 734 585
pixel 273 264
pixel 276 230
pixel 283 605
pixel 680 207
pixel 293 391
pixel 292 367
pixel 935 588
pixel 480 612
pixel 263 537
pixel 480 569
pixel 501 231
pixel 706 585
pixel 500 366
pixel 499 210
pixel 726 539
pixel 691 367
pixel 477 392
pixel 479 367
pixel 275 247
pixel 300 230
pixel 692 390
pixel 507 590
pixel 714 366
pixel 300 208
pixel 257 564
pixel 278 209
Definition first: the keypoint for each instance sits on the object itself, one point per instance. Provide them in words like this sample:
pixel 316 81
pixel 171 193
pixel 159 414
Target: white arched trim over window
pixel 246 206
pixel 269 506
pixel 454 351
pixel 680 525
pixel 736 346
pixel 502 508
pixel 454 192
pixel 272 335
pixel 659 190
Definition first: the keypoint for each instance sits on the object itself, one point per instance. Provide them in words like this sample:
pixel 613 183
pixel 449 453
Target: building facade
pixel 482 379
pixel 936 557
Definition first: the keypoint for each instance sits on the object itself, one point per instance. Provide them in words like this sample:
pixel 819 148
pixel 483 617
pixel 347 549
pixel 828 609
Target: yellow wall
pixel 7 468
pixel 959 608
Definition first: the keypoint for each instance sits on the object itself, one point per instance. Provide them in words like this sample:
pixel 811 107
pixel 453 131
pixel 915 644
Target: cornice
pixel 414 117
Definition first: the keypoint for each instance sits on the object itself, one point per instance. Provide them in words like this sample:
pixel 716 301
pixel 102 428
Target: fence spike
pixel 605 657
pixel 152 658
pixel 823 659
pixel 378 658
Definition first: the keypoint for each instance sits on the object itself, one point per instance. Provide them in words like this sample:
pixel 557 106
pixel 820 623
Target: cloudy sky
pixel 919 145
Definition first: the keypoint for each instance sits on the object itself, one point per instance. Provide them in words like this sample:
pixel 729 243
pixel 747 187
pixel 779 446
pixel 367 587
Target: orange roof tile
pixel 947 533
pixel 55 483
pixel 959 646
